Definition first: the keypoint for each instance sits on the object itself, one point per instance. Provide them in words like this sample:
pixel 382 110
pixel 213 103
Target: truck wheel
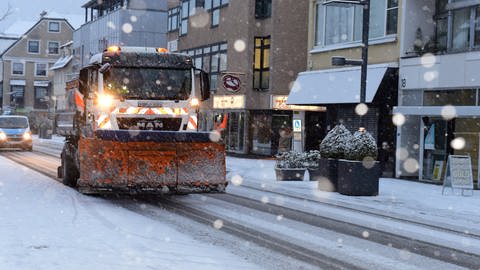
pixel 69 171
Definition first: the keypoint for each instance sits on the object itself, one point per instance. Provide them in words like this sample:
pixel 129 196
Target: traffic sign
pixel 297 125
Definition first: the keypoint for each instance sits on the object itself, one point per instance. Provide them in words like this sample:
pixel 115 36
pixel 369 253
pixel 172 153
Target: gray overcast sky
pixel 29 10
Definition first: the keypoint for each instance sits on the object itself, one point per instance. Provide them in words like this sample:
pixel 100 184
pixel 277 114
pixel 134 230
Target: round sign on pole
pixel 231 83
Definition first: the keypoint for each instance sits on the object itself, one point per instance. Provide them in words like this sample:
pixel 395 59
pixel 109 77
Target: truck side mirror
pixel 105 68
pixel 204 85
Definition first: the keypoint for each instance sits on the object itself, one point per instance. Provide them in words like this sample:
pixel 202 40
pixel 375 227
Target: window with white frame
pixel 18 68
pixel 54 27
pixel 41 69
pixel 53 47
pixel 342 24
pixel 34 46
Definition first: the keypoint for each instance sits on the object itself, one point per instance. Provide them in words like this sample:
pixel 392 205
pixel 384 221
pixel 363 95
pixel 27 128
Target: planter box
pixel 326 174
pixel 355 179
pixel 290 174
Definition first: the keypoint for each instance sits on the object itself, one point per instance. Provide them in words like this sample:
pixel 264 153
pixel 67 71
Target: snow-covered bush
pixel 361 146
pixel 335 143
pixel 311 158
pixel 291 160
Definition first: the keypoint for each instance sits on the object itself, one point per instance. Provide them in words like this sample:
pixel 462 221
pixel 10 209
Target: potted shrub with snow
pixel 332 148
pixel 290 166
pixel 359 172
pixel 312 159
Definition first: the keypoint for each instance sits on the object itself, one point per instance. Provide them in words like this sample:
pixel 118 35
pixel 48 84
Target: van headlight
pixel 3 136
pixel 27 136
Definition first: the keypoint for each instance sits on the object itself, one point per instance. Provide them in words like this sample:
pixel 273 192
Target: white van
pixel 15 132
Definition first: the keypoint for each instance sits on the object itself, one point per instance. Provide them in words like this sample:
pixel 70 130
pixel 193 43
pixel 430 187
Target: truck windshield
pixel 149 83
pixel 13 122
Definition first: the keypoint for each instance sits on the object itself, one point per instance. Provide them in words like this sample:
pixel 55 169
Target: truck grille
pixel 167 124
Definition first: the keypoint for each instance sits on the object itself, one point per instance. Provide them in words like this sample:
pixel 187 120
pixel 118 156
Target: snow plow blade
pixel 119 161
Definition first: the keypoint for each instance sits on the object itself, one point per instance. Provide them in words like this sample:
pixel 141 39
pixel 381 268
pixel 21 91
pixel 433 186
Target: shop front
pixel 338 91
pixel 229 118
pixel 439 113
pixel 431 133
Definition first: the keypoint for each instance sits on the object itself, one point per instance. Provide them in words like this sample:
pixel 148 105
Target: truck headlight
pixel 104 101
pixel 27 136
pixel 3 136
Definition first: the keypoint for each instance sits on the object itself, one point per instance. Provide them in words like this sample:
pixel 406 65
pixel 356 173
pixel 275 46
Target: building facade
pixel 63 72
pixel 252 50
pixel 336 30
pixel 27 80
pixel 5 43
pixel 439 87
pixel 120 22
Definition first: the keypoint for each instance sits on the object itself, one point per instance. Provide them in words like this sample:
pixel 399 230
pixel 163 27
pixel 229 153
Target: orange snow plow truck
pixel 131 126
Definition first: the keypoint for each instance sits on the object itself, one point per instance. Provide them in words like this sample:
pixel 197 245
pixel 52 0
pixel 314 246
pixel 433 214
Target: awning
pixel 335 86
pixel 62 62
pixel 41 83
pixel 17 82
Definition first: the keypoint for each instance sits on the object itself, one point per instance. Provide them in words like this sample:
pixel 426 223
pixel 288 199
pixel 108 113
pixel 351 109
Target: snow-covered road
pixel 49 226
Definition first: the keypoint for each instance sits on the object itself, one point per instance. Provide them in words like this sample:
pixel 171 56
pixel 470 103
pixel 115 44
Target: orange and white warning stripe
pixel 152 111
pixel 192 123
pixel 103 121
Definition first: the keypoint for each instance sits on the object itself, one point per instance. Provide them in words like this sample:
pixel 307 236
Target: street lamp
pixel 341 61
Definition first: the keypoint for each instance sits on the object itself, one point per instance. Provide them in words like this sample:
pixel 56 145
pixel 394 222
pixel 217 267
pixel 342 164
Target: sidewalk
pixel 415 200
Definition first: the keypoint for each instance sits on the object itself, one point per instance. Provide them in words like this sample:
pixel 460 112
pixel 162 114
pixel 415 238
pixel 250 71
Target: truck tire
pixel 69 171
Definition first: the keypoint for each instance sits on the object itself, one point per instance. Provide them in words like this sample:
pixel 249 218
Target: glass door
pixel 435 150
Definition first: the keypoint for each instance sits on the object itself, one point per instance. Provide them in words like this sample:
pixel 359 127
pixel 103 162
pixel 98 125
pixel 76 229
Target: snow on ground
pixel 45 225
pixel 419 201
pixel 85 221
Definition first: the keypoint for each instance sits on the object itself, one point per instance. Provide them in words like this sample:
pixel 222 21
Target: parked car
pixel 15 132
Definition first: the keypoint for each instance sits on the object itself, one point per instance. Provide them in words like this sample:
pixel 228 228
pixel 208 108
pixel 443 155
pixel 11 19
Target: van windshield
pixel 13 122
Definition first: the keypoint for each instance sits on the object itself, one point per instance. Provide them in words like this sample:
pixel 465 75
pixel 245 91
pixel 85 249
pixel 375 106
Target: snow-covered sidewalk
pixel 401 198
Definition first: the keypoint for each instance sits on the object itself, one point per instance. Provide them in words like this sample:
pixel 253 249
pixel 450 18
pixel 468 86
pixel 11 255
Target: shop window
pixel 464 97
pixel 41 98
pixel 261 68
pixel 17 96
pixel 262 134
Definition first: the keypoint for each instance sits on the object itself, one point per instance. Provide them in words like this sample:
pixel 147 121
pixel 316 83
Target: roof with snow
pixel 62 62
pixel 6 42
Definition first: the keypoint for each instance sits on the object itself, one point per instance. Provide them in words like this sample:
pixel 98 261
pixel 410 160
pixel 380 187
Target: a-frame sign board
pixel 459 173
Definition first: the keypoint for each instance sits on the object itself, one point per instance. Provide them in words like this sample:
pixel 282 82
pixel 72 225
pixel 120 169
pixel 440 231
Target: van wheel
pixel 69 171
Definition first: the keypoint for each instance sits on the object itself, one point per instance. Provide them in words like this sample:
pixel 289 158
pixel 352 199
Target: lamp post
pixel 341 61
